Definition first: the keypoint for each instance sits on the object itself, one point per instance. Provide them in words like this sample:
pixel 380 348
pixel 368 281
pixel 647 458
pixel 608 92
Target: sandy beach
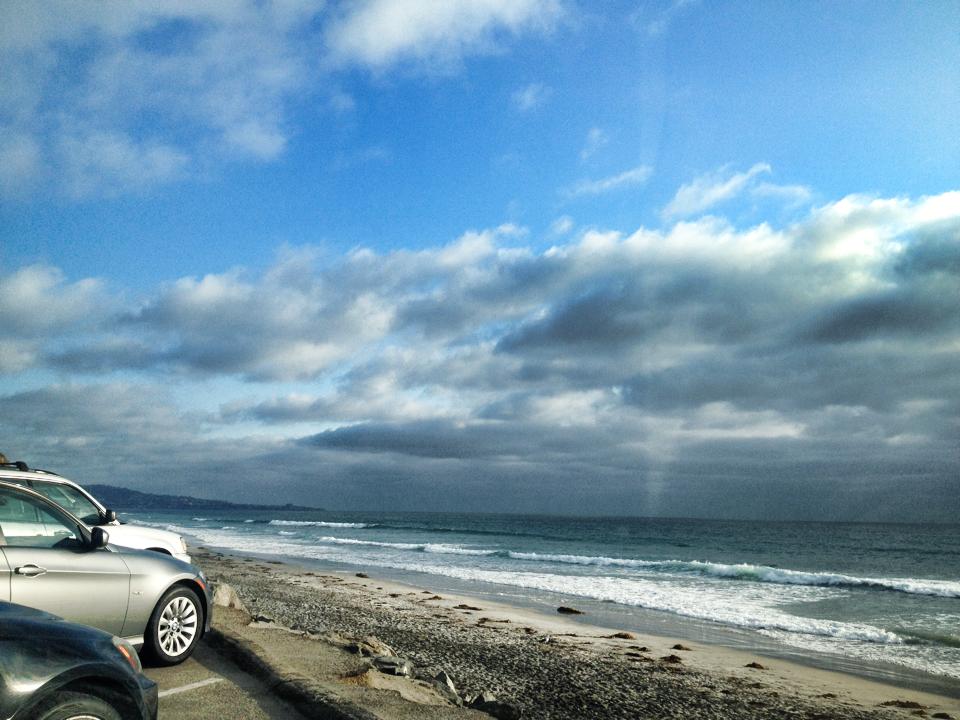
pixel 551 666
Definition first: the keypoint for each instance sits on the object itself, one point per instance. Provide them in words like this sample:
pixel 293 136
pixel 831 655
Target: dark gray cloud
pixel 700 366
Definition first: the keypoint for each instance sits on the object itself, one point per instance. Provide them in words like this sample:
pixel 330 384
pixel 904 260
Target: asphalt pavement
pixel 210 685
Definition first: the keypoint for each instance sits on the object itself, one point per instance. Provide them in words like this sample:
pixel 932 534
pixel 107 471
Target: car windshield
pixel 70 498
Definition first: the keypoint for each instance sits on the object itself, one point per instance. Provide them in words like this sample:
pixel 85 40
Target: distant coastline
pixel 127 499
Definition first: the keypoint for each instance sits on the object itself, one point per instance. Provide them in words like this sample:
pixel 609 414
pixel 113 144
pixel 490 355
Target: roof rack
pixel 23 467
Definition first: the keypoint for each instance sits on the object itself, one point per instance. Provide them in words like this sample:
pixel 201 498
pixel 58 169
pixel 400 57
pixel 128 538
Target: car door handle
pixel 30 570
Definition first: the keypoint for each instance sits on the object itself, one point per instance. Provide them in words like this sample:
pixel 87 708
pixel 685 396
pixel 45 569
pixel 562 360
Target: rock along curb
pixel 311 700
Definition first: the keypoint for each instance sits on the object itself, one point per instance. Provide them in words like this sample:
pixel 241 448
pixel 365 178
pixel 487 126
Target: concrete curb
pixel 308 697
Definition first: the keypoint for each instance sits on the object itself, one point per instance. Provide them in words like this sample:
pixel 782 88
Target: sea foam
pixel 756 573
pixel 320 523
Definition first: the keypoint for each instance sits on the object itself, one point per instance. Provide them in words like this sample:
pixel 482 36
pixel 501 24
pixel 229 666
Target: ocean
pixel 879 600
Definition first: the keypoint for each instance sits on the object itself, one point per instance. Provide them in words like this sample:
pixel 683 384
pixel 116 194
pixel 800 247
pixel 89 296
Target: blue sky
pixel 691 254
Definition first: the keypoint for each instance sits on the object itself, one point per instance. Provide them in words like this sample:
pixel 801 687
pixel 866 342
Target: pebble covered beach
pixel 554 668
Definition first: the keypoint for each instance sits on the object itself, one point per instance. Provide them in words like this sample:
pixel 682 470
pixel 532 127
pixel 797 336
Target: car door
pixel 51 568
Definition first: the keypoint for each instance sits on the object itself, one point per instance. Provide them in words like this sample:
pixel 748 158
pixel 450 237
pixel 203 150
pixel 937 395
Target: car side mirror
pixel 109 515
pixel 98 538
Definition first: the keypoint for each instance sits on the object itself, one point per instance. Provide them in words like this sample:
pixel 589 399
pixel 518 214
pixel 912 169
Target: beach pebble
pixel 444 684
pixel 942 716
pixel 501 710
pixel 371 646
pixel 623 636
pixel 485 696
pixel 225 596
pixel 487 702
pixel 391 665
pixel 905 704
pixel 755 666
pixel 678 646
pixel 362 575
pixel 672 659
pixel 563 610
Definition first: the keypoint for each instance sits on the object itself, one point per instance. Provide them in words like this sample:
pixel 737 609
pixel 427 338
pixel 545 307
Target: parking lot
pixel 209 685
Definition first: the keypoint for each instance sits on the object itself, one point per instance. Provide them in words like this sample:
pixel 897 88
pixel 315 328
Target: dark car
pixel 51 669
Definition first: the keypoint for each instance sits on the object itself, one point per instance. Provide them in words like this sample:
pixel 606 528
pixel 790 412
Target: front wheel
pixel 175 626
pixel 75 706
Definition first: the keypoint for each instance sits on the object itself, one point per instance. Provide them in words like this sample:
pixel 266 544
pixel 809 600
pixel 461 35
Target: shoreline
pixel 521 653
pixel 658 623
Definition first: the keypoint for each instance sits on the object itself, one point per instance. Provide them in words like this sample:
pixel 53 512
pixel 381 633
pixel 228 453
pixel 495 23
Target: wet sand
pixel 551 666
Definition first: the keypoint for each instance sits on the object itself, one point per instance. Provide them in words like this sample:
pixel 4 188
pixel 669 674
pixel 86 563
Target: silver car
pixel 51 561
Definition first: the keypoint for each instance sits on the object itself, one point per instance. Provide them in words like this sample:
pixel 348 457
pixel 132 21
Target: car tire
pixel 75 706
pixel 175 626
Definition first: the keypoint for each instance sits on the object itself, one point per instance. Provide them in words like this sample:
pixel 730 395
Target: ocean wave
pixel 729 571
pixel 757 573
pixel 426 527
pixel 320 523
pixel 717 604
pixel 435 548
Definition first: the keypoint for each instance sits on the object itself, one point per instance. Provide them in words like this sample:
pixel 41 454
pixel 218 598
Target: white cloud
pixel 596 139
pixel 213 81
pixel 634 176
pixel 17 356
pixel 790 194
pixel 562 225
pixel 707 191
pixel 531 96
pixel 657 24
pixel 19 161
pixel 217 88
pixel 261 140
pixel 36 300
pixel 379 33
pixel 100 162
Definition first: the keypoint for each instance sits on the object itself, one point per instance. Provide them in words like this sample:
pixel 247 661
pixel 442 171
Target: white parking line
pixel 191 686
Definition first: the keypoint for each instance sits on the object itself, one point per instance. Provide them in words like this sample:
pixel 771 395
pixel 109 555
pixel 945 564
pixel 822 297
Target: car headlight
pixel 129 653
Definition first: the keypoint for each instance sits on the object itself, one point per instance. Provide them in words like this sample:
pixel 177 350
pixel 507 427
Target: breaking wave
pixel 320 523
pixel 758 573
pixel 436 548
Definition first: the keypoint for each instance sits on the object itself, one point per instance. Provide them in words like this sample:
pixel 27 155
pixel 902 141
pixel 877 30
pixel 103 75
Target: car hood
pixel 140 561
pixel 19 624
pixel 116 532
pixel 12 611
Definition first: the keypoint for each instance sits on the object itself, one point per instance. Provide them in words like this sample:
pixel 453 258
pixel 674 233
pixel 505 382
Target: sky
pixel 666 258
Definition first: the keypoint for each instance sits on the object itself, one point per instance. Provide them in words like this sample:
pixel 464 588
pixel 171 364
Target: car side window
pixel 26 522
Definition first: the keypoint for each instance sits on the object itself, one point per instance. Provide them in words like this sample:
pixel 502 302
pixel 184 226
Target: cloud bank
pixel 809 370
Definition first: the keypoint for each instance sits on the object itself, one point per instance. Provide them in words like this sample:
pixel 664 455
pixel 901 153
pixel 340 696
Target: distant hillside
pixel 126 499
